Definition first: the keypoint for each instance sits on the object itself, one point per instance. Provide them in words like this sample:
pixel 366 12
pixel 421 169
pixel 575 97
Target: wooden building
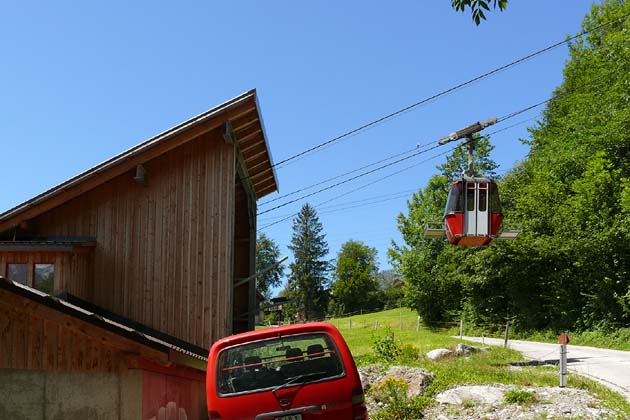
pixel 153 240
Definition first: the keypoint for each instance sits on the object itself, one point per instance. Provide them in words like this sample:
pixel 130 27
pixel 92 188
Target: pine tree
pixel 308 281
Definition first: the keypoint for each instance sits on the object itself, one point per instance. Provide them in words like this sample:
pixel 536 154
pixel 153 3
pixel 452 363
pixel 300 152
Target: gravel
pixel 548 403
pixel 486 402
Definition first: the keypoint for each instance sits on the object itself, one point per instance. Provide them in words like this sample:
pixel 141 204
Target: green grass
pixel 487 367
pixel 519 396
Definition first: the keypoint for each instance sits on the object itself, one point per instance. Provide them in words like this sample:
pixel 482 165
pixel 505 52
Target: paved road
pixel 610 367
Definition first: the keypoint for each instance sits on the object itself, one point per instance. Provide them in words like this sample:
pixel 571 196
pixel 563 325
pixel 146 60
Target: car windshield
pixel 278 362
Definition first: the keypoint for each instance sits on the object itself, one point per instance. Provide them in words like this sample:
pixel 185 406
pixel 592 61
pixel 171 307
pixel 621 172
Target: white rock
pixel 476 393
pixel 438 354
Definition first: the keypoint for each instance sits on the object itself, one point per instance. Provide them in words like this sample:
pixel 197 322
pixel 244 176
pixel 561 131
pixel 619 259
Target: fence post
pixel 376 325
pixel 507 334
pixel 461 329
pixel 418 324
pixel 350 323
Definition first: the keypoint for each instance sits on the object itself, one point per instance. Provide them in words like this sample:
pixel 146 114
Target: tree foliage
pixel 570 267
pixel 308 280
pixel 355 285
pixel 267 253
pixel 477 7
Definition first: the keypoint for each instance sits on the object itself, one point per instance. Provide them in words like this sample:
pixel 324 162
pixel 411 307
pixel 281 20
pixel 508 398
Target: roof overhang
pixel 243 113
pixel 159 347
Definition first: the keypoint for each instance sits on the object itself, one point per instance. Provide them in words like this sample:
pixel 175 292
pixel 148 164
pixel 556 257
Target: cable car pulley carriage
pixel 472 216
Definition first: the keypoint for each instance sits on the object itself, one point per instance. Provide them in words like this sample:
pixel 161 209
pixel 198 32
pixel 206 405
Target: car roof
pixel 271 332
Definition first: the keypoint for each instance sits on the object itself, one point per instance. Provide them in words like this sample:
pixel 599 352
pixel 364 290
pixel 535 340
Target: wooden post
pixel 350 322
pixel 418 324
pixel 461 329
pixel 376 325
pixel 507 334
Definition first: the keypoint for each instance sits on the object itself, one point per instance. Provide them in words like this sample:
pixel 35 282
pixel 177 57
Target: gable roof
pixel 243 113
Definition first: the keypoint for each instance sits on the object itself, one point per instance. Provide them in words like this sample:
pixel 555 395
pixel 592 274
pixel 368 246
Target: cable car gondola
pixel 472 216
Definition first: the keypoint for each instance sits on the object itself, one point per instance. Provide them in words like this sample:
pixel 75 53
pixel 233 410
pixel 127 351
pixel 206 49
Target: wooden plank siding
pixel 33 336
pixel 164 251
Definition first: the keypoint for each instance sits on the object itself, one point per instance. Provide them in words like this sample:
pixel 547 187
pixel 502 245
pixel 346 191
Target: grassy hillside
pixel 361 330
pixel 488 367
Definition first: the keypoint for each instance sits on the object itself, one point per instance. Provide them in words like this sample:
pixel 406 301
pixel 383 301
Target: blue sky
pixel 83 81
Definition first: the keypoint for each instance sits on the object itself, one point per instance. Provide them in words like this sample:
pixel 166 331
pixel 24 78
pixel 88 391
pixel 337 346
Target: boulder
pixel 418 379
pixel 481 394
pixel 438 354
pixel 465 350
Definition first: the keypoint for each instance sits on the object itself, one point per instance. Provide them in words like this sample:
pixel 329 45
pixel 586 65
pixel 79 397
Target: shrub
pixel 386 346
pixel 408 353
pixel 392 393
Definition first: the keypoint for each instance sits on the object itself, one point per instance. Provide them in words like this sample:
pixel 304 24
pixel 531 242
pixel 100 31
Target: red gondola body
pixel 472 216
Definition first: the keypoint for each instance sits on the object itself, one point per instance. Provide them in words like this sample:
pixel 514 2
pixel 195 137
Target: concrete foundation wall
pixel 132 394
pixel 46 395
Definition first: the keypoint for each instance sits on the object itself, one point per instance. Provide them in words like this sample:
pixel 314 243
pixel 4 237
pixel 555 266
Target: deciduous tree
pixel 355 285
pixel 267 253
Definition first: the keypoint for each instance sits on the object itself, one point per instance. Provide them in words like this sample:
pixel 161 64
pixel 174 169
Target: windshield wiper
pixel 297 378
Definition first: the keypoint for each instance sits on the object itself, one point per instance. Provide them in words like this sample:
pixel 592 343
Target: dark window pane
pixel 470 199
pixel 495 202
pixel 44 275
pixel 482 200
pixel 455 200
pixel 18 272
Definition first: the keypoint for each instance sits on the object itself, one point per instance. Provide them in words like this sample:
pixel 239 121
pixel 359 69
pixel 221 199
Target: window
pixel 455 202
pixel 470 197
pixel 18 273
pixel 41 275
pixel 44 276
pixel 495 202
pixel 278 362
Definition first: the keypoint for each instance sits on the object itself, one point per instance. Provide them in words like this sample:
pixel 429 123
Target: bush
pixel 408 353
pixel 386 346
pixel 392 393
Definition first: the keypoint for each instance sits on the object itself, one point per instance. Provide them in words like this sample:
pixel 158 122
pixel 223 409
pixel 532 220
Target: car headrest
pixel 252 360
pixel 293 352
pixel 314 349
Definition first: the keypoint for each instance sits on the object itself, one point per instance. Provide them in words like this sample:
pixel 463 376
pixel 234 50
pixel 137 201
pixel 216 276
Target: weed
pixel 467 403
pixel 519 396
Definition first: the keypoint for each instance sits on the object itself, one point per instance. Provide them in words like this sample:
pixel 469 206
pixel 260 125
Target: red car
pixel 297 372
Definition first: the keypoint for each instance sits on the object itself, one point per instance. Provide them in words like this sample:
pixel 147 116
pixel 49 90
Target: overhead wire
pixel 447 91
pixel 379 168
pixel 366 201
pixel 369 184
pixel 345 181
pixel 499 120
pixel 418 147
